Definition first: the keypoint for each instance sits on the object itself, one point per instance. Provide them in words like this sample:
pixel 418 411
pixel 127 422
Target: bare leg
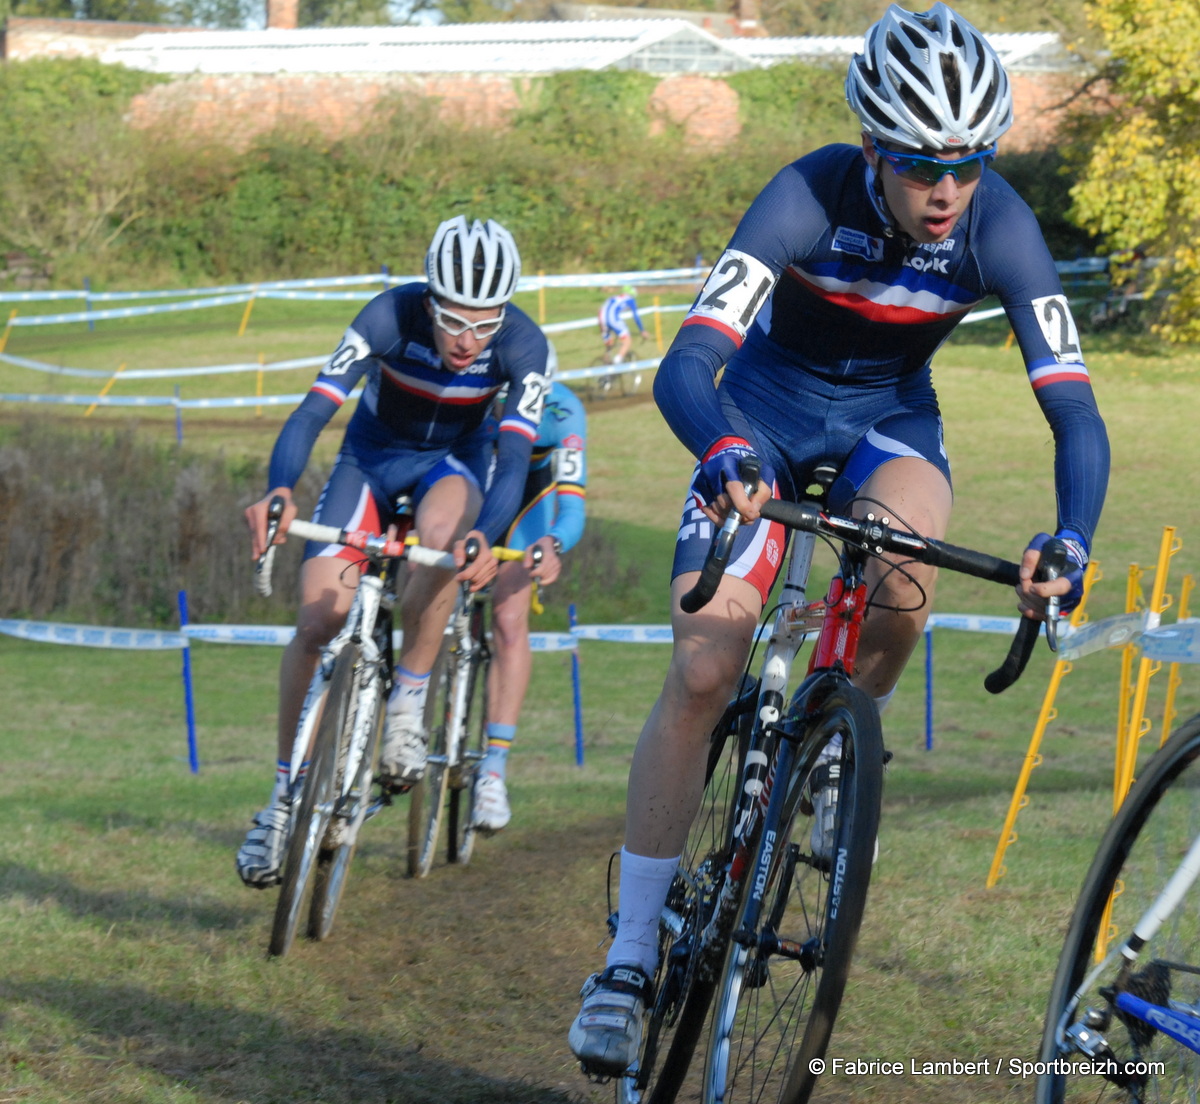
pixel 666 778
pixel 327 585
pixel 508 678
pixel 445 515
pixel 919 494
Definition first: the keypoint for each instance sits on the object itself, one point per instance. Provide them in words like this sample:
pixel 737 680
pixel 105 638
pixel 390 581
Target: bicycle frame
pixel 837 620
pixel 1182 1026
pixel 468 642
pixel 373 595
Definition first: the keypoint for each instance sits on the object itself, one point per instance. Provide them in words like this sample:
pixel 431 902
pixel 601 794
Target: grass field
pixel 135 969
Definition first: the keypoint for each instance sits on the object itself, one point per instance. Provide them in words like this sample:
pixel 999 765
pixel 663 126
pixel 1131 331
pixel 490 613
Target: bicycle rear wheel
pixel 684 984
pixel 460 833
pixel 428 798
pixel 782 983
pixel 317 797
pixel 351 808
pixel 1142 848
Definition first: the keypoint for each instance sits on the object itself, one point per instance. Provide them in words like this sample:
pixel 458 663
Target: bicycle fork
pixel 771 756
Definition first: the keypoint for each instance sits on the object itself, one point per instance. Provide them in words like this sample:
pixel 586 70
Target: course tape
pixel 163 373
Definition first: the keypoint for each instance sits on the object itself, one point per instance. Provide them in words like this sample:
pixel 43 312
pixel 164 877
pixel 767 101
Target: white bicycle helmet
pixel 929 80
pixel 476 265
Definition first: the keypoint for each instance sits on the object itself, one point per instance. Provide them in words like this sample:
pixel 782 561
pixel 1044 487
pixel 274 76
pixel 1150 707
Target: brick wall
pixel 236 108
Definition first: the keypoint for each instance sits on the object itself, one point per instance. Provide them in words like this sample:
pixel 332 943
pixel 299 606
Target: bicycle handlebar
pixel 878 538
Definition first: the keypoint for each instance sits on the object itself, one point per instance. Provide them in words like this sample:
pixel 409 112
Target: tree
pixel 1140 188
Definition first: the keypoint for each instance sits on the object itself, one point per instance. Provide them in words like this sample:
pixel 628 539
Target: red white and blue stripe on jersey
pixel 816 284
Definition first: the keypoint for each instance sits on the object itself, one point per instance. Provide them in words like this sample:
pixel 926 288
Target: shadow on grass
pixel 224 1053
pixel 129 908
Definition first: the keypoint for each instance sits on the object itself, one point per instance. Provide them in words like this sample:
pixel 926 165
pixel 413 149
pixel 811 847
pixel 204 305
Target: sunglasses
pixel 929 170
pixel 455 324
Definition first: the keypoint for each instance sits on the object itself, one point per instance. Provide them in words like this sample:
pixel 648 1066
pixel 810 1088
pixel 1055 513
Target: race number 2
pixel 1058 328
pixel 735 289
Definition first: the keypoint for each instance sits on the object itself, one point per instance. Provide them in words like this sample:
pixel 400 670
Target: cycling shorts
pixel 857 429
pixel 360 497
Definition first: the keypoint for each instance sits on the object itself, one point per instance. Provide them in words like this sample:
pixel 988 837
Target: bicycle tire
pixel 774 1013
pixel 350 811
pixel 1141 848
pixel 460 832
pixel 683 986
pixel 315 807
pixel 428 797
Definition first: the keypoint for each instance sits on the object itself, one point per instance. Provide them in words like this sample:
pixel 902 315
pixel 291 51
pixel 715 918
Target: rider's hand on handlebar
pixel 482 570
pixel 720 482
pixel 1031 596
pixel 256 519
pixel 547 569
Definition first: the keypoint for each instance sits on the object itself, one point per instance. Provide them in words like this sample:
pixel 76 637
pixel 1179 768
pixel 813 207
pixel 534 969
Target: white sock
pixel 645 883
pixel 884 700
pixel 408 692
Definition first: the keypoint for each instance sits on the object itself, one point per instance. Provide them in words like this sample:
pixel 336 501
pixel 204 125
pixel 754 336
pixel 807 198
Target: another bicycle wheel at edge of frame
pixel 675 1023
pixel 353 799
pixel 776 1000
pixel 311 817
pixel 427 800
pixel 1140 850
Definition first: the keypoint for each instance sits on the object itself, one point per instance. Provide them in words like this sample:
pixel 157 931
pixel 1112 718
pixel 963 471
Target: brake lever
pixel 1050 567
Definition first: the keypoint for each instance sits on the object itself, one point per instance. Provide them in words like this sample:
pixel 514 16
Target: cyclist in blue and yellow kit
pixel 843 278
pixel 432 356
pixel 551 518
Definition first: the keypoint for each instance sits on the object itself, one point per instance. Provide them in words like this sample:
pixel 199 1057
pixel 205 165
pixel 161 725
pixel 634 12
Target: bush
pixel 108 528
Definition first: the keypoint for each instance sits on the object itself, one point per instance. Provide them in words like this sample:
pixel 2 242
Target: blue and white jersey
pixel 816 292
pixel 611 320
pixel 410 400
pixel 555 489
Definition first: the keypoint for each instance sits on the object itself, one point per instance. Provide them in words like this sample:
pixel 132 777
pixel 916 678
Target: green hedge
pixel 578 178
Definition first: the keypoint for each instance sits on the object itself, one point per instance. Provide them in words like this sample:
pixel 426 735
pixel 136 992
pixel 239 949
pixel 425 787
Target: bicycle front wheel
pixel 428 798
pixel 1095 1047
pixel 685 981
pixel 316 803
pixel 352 807
pixel 464 774
pixel 784 975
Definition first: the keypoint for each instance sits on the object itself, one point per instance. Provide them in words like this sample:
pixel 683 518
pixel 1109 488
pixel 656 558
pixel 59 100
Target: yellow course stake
pixel 1134 601
pixel 658 324
pixel 105 390
pixel 8 329
pixel 246 312
pixel 1033 757
pixel 1173 677
pixel 1139 723
pixel 541 300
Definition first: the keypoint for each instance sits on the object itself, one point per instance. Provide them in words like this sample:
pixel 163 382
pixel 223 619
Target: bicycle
pixel 340 726
pixel 762 918
pixel 456 714
pixel 629 382
pixel 1123 1022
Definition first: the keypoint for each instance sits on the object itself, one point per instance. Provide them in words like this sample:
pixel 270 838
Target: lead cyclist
pixel 841 281
pixel 431 355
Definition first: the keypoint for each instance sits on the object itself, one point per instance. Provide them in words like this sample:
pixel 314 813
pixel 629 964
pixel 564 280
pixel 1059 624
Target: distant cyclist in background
pixel 841 281
pixel 551 517
pixel 432 356
pixel 613 328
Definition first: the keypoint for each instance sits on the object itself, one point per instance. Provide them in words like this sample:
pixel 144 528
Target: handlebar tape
pixel 1054 559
